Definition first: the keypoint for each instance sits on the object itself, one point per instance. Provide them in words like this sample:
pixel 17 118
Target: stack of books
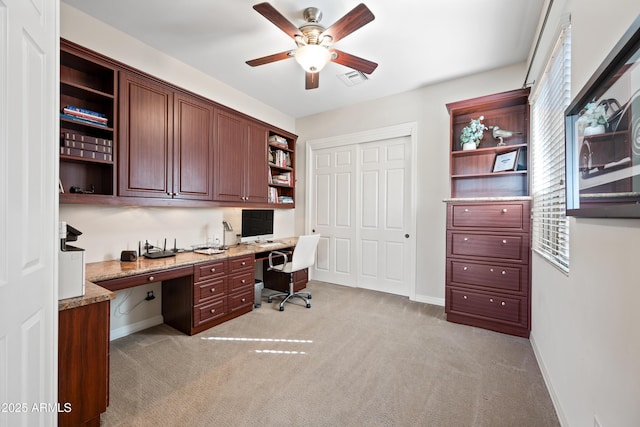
pixel 285 199
pixel 278 140
pixel 272 197
pixel 281 179
pixel 87 147
pixel 83 115
pixel 280 158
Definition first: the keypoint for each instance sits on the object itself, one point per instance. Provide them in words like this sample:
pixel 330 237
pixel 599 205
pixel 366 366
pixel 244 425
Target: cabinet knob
pixel 466 239
pixel 490 299
pixel 504 242
pixel 466 210
pixel 213 310
pixel 243 263
pixel 504 210
pixel 503 303
pixel 465 268
pixel 244 300
pixel 151 278
pixel 491 270
pixel 464 296
pixel 504 272
pixel 213 290
pixel 244 281
pixel 213 270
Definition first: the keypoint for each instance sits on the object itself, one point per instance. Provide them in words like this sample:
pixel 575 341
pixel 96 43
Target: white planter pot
pixel 469 146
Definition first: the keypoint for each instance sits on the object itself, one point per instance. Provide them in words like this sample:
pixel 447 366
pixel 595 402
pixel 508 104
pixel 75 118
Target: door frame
pixel 410 130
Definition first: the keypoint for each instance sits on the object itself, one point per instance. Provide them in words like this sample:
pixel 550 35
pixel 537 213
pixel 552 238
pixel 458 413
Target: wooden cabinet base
pixel 83 364
pixel 488 324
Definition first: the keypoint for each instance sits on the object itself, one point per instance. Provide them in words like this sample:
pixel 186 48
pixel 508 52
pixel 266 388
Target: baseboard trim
pixel 125 330
pixel 430 300
pixel 547 381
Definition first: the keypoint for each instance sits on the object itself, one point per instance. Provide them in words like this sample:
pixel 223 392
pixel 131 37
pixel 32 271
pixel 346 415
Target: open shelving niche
pixel 87 84
pixel 281 160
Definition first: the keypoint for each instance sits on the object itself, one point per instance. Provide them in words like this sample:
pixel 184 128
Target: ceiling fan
pixel 315 42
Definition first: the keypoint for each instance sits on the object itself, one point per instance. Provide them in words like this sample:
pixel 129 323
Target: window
pixel 548 103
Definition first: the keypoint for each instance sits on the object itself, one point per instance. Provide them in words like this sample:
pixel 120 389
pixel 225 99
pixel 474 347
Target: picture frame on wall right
pixel 602 137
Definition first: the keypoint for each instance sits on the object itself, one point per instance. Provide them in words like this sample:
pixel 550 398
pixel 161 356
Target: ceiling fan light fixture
pixel 312 58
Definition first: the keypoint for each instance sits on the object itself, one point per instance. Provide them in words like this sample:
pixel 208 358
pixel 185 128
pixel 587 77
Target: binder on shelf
pixel 75 136
pixel 85 154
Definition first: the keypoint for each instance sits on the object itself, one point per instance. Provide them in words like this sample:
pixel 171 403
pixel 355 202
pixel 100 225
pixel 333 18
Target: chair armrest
pixel 277 253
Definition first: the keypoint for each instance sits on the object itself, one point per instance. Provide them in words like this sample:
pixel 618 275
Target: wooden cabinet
pixel 240 159
pixel 87 146
pixel 166 141
pixel 83 364
pixel 488 219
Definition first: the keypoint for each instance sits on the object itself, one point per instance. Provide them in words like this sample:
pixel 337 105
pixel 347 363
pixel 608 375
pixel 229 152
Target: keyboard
pixel 268 245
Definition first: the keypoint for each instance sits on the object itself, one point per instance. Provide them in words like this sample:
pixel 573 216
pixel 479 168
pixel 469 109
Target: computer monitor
pixel 257 225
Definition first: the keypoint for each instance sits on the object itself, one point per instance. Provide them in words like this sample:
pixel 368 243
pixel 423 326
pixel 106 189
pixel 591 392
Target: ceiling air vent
pixel 353 78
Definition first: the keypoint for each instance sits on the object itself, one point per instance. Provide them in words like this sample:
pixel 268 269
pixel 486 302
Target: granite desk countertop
pixel 92 294
pixel 115 269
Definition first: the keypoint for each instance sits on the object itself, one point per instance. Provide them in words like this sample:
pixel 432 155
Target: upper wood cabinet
pixel 240 159
pixel 166 139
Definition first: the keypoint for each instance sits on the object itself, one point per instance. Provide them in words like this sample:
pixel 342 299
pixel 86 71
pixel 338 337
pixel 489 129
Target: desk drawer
pixel 487 306
pixel 508 247
pixel 508 216
pixel 241 281
pixel 240 299
pixel 207 290
pixel 208 270
pixel 209 311
pixel 241 263
pixel 504 277
pixel 143 279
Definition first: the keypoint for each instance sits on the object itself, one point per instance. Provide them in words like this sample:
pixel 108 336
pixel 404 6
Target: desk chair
pixel 303 256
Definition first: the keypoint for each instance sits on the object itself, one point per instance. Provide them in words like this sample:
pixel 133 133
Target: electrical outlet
pixel 596 422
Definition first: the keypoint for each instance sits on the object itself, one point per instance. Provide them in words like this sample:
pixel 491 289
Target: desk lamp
pixel 227 227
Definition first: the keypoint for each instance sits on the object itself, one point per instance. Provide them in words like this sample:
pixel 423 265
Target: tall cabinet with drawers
pixel 488 249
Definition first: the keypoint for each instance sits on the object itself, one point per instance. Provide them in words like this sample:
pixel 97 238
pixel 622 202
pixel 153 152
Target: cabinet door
pixel 193 148
pixel 229 154
pixel 146 134
pixel 255 176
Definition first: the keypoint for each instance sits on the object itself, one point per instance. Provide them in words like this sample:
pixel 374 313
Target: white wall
pixel 585 324
pixel 109 230
pixel 426 106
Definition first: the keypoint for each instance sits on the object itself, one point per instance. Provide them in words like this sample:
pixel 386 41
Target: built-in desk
pixel 198 291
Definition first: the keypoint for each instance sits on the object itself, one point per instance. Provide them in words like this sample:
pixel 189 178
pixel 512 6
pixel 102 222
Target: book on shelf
pixel 85 111
pixel 85 116
pixel 280 158
pixel 87 146
pixel 81 120
pixel 85 154
pixel 282 178
pixel 74 136
pixel 285 199
pixel 272 196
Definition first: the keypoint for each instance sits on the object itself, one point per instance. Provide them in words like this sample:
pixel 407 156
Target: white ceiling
pixel 415 43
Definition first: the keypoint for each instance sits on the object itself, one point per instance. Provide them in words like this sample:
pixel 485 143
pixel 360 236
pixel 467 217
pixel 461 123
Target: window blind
pixel 548 103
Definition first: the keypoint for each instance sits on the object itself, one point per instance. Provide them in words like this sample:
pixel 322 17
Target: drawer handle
pixel 465 268
pixel 466 239
pixel 503 303
pixel 504 272
pixel 213 310
pixel 491 270
pixel 243 263
pixel 244 300
pixel 464 296
pixel 504 242
pixel 466 210
pixel 213 270
pixel 213 289
pixel 504 210
pixel 490 299
pixel 151 278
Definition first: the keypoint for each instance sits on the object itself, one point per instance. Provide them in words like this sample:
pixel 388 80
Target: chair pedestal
pixel 291 294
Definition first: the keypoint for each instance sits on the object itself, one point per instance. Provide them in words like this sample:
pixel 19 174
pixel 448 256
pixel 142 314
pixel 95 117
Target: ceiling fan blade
pixel 352 61
pixel 358 17
pixel 269 12
pixel 271 58
pixel 311 81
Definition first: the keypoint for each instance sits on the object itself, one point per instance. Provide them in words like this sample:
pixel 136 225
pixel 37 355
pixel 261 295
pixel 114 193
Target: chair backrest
pixel 304 254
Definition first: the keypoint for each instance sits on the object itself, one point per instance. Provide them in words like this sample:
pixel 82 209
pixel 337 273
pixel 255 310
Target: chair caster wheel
pixel 308 305
pixel 269 300
pixel 309 297
pixel 281 308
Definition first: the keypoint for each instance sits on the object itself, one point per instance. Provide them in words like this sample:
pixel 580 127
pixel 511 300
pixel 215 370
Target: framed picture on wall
pixel 602 136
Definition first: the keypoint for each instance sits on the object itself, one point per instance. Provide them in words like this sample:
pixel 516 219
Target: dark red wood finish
pixel 83 364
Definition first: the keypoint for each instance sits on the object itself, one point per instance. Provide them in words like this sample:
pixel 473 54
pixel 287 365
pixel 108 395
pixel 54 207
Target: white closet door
pixel 333 209
pixel 384 213
pixel 361 202
pixel 28 212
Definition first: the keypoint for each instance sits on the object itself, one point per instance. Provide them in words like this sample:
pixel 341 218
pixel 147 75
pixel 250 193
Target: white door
pixel 360 200
pixel 28 211
pixel 334 203
pixel 384 214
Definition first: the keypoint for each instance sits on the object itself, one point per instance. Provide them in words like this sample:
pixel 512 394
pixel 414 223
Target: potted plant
pixel 472 134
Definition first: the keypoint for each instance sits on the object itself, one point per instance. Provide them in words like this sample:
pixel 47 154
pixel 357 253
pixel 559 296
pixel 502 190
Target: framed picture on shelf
pixel 602 137
pixel 505 161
